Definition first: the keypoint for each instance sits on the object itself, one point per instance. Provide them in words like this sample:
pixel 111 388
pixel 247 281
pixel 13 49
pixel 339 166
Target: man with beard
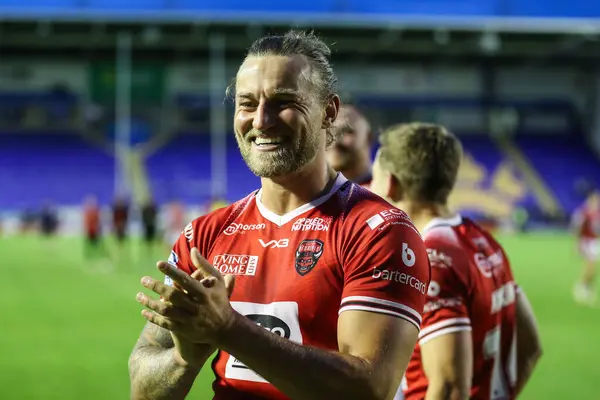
pixel 330 279
pixel 351 152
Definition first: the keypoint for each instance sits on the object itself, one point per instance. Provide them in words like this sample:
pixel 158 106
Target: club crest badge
pixel 307 254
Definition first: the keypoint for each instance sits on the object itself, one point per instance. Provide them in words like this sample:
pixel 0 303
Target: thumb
pixel 229 283
pixel 197 275
pixel 202 265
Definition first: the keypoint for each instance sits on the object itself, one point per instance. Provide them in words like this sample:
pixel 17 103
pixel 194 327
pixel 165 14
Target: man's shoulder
pixel 210 225
pixel 363 210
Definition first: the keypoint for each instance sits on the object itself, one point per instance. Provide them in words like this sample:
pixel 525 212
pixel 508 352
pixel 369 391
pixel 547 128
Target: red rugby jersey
pixel 471 289
pixel 348 250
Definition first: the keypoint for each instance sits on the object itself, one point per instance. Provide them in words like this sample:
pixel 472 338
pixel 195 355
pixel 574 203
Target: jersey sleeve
pixel 446 307
pixel 386 271
pixel 180 256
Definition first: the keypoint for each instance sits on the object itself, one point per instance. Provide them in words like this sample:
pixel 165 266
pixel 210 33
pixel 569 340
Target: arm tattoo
pixel 152 370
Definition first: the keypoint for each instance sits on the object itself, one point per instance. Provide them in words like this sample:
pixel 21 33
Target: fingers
pixel 163 308
pixel 168 293
pixel 185 281
pixel 159 320
pixel 205 268
pixel 229 283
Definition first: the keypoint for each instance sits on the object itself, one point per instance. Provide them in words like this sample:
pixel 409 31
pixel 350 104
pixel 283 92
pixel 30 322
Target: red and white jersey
pixel 471 289
pixel 586 222
pixel 348 250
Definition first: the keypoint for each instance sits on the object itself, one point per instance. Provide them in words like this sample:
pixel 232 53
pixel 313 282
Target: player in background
pixel 478 338
pixel 585 224
pixel 149 221
pixel 330 278
pixel 351 153
pixel 120 219
pixel 48 220
pixel 92 228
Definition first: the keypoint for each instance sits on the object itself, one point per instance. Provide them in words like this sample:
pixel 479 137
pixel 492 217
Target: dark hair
pixel 307 44
pixel 425 159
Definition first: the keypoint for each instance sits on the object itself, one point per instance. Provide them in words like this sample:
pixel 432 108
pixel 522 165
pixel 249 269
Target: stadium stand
pixel 62 167
pixel 561 161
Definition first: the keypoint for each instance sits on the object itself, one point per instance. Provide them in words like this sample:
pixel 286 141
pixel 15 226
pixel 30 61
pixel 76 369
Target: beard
pixel 294 152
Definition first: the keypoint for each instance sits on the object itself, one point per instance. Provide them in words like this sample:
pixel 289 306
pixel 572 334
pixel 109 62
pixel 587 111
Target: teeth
pixel 260 141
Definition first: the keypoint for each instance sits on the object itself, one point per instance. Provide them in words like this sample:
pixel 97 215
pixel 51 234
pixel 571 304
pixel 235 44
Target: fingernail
pixel 139 297
pixel 146 280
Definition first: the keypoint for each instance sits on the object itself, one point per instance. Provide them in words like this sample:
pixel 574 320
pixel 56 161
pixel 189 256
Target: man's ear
pixel 331 111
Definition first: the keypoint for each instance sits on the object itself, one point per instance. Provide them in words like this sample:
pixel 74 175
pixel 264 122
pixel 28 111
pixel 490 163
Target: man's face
pixel 353 137
pixel 278 116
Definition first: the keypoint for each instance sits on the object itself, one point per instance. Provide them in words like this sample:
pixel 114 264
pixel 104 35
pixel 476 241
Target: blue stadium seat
pixel 423 7
pixel 125 4
pixel 556 9
pixel 38 4
pixel 259 5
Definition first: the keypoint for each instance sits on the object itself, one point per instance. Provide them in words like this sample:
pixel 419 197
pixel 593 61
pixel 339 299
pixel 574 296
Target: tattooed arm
pixel 163 368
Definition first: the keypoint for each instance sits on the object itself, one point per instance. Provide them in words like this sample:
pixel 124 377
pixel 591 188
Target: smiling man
pixel 330 279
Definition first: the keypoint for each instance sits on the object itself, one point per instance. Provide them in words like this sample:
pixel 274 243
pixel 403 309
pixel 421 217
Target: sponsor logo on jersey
pixel 400 277
pixel 242 228
pixel 312 224
pixel 386 215
pixel 503 296
pixel 188 232
pixel 439 259
pixel 307 254
pixel 487 264
pixel 408 256
pixel 275 244
pixel 236 264
pixel 280 318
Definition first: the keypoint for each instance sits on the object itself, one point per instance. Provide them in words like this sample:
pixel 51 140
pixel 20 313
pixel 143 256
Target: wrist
pixel 229 332
pixel 191 355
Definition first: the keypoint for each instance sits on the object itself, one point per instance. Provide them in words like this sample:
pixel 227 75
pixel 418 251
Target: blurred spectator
pixel 48 220
pixel 149 217
pixel 120 214
pixel 92 227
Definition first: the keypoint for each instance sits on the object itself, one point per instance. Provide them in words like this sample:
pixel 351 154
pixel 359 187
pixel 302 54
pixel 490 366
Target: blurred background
pixel 113 113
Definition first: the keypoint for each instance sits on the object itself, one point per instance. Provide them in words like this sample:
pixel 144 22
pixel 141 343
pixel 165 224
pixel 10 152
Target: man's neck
pixel 421 214
pixel 285 194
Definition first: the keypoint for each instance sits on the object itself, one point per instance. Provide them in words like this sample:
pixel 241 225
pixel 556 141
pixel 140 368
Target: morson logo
pixel 236 264
pixel 307 254
pixel 242 228
pixel 275 244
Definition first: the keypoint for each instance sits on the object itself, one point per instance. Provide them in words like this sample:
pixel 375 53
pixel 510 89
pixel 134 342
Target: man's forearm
pixel 301 372
pixel 156 373
pixel 525 369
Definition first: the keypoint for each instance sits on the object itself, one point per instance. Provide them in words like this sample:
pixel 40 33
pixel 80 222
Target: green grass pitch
pixel 67 328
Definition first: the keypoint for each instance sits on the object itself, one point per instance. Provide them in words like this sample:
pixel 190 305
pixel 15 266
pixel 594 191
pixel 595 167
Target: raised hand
pixel 195 311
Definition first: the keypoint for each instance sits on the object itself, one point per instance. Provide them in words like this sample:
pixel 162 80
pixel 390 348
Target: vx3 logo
pixel 275 244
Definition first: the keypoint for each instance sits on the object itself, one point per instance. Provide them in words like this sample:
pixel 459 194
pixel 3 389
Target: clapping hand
pixel 196 309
